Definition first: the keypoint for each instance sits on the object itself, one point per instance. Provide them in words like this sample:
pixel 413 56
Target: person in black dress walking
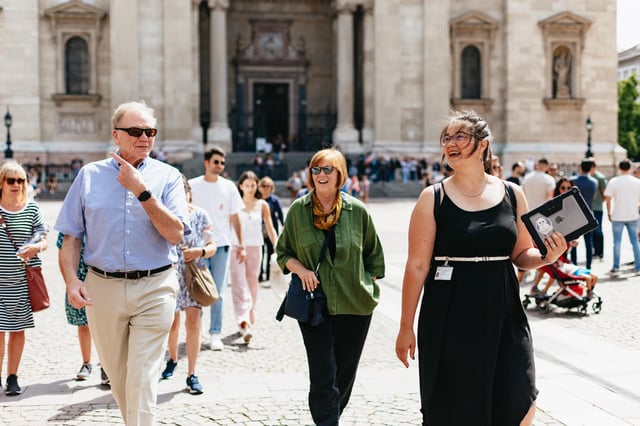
pixel 475 352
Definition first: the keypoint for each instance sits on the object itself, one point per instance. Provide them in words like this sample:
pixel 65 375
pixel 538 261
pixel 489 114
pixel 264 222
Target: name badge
pixel 443 273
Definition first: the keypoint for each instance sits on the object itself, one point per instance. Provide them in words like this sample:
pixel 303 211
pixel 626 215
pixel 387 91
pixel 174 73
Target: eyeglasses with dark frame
pixel 459 136
pixel 326 169
pixel 564 188
pixel 221 162
pixel 136 132
pixel 13 181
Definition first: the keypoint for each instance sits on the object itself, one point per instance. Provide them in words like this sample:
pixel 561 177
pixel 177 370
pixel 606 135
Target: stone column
pixel 368 135
pixel 345 135
pixel 437 67
pixel 125 56
pixel 219 132
pixel 178 67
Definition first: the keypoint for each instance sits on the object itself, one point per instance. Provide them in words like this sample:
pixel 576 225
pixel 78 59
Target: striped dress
pixel 15 309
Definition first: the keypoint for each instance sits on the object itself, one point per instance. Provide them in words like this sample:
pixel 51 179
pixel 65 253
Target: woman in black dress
pixel 474 343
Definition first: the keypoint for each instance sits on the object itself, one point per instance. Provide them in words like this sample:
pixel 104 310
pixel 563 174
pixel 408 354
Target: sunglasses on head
pixel 326 169
pixel 12 181
pixel 136 132
pixel 221 162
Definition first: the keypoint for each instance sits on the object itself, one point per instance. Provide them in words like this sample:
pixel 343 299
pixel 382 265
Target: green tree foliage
pixel 629 116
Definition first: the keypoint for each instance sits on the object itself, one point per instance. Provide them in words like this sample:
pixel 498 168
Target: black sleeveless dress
pixel 474 342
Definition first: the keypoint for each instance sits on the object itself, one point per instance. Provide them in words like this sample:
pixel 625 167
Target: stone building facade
pixel 629 63
pixel 365 75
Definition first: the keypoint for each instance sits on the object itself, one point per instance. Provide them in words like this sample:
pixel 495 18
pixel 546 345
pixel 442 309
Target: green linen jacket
pixel 345 280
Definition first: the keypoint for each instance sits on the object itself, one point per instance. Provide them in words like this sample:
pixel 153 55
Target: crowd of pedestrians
pixel 123 251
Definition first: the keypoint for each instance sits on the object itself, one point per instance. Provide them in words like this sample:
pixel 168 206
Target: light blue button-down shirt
pixel 119 233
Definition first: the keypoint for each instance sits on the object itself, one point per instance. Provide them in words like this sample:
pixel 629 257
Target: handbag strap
pixel 3 223
pixel 323 250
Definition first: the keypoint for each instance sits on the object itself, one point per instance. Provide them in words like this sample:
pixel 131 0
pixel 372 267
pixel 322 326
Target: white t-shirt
pixel 625 193
pixel 220 199
pixel 537 186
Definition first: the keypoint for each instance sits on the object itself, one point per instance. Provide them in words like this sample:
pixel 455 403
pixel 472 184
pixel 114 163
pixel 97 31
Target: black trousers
pixel 265 263
pixel 333 352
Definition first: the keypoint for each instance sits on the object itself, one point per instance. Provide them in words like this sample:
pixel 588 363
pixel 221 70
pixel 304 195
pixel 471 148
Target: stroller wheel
pixel 526 302
pixel 544 307
pixel 597 307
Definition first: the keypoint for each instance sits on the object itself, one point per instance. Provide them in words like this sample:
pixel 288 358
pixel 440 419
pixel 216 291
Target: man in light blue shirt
pixel 132 211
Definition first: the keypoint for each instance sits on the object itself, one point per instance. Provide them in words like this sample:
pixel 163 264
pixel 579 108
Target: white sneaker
pixel 215 344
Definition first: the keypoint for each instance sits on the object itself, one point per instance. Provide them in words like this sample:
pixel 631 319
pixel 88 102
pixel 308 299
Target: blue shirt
pixel 119 235
pixel 587 186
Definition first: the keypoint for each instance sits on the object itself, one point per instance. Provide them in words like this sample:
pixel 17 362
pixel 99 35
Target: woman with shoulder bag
pixel 195 246
pixel 347 276
pixel 22 219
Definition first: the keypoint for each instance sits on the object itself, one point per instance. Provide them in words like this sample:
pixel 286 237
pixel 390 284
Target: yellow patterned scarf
pixel 322 220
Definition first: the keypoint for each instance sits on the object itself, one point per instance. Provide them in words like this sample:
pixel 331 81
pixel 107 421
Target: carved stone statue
pixel 561 71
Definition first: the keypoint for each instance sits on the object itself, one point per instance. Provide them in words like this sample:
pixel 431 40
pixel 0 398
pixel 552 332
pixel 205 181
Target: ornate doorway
pixel 271 110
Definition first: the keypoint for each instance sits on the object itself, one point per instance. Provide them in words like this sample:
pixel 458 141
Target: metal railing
pixel 313 132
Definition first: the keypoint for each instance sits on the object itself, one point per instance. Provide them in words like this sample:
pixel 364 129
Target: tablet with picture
pixel 567 214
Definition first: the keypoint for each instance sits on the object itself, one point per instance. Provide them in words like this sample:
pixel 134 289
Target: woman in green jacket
pixel 347 276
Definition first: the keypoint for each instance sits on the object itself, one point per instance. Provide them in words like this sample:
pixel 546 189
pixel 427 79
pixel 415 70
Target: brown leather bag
pixel 200 284
pixel 37 289
pixel 38 293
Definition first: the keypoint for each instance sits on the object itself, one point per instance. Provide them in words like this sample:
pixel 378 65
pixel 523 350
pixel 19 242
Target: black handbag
pixel 305 306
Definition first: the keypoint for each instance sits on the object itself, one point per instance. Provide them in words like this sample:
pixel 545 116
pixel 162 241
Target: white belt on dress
pixel 471 259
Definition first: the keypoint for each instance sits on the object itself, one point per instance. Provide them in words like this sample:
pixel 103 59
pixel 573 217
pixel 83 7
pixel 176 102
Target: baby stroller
pixel 570 294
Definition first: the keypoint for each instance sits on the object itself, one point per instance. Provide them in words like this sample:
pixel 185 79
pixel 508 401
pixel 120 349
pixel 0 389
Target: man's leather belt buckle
pixel 130 275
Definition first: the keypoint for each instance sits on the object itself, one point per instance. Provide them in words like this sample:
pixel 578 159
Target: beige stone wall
pixel 19 77
pixel 559 133
pixel 148 50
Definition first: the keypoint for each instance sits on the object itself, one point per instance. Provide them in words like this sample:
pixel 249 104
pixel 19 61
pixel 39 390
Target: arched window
pixel 76 66
pixel 471 75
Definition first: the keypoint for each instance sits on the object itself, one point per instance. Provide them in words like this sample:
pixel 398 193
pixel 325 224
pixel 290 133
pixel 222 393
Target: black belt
pixel 130 275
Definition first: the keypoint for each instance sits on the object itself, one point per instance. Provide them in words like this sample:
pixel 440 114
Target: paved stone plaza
pixel 586 365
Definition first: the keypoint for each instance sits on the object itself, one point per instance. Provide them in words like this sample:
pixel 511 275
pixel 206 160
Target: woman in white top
pixel 244 276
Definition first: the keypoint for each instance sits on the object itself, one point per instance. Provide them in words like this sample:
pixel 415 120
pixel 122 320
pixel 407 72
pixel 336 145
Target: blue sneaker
pixel 168 371
pixel 193 385
pixel 84 373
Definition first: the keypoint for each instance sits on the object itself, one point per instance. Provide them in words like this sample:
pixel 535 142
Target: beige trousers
pixel 129 323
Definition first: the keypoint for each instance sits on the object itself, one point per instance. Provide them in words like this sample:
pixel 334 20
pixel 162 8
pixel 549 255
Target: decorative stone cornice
pixel 345 6
pixel 481 105
pixel 92 98
pixel 76 14
pixel 563 103
pixel 271 43
pixel 565 24
pixel 219 4
pixel 475 24
pixel 75 9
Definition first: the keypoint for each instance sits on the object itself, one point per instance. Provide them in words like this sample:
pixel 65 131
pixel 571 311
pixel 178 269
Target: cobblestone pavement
pixel 265 383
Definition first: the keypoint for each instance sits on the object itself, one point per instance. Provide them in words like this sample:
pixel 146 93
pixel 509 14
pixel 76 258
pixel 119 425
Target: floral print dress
pixel 201 226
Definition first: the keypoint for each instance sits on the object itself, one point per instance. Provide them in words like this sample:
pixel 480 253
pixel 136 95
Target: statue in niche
pixel 561 71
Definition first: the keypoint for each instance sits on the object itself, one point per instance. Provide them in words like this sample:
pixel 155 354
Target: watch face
pixel 144 196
